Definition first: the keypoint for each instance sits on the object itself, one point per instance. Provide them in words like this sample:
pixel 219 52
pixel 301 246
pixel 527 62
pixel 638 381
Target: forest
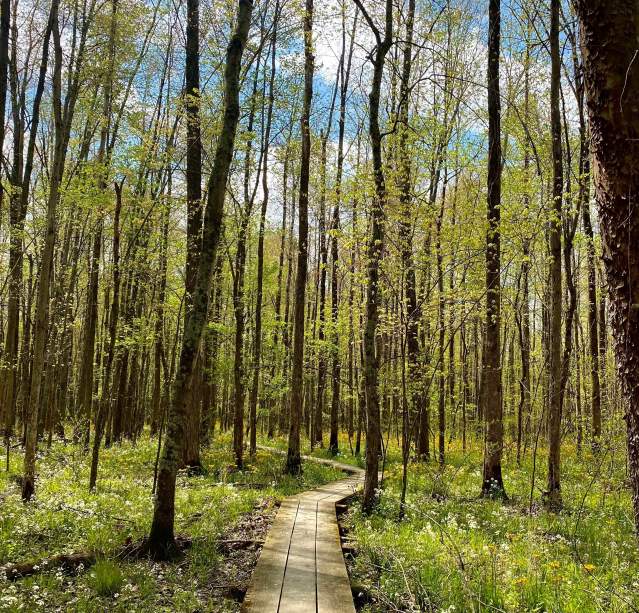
pixel 359 272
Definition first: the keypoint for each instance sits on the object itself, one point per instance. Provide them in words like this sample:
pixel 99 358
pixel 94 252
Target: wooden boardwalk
pixel 301 567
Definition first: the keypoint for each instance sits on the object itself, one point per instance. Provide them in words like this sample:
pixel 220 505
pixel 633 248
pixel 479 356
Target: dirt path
pixel 301 567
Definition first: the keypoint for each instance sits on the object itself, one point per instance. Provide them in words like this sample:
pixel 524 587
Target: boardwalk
pixel 301 567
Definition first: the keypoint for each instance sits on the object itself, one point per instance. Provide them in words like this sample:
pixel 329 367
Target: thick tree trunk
pixel 191 448
pixel 161 541
pixel 493 485
pixel 609 32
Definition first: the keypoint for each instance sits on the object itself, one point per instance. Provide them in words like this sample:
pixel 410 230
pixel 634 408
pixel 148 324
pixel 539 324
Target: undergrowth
pixel 454 551
pixel 65 517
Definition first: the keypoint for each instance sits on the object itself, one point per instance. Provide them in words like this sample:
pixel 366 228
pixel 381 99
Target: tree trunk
pixel 344 75
pixel 161 541
pixel 63 113
pixel 107 387
pixel 412 308
pixel 375 251
pixel 493 485
pixel 257 354
pixel 293 457
pixel 191 448
pixel 609 32
pixel 21 183
pixel 553 493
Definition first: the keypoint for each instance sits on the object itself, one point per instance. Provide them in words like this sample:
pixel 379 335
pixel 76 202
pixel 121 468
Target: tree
pixel 161 541
pixel 375 251
pixel 553 493
pixel 413 311
pixel 293 457
pixel 609 32
pixel 493 484
pixel 257 355
pixel 191 449
pixel 63 110
pixel 21 184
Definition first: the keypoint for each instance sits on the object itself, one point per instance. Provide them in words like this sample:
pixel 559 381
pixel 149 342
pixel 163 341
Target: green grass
pixel 456 552
pixel 65 517
pixel 452 551
pixel 107 579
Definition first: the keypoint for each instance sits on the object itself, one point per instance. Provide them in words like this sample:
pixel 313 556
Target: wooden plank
pixel 264 591
pixel 299 590
pixel 301 568
pixel 333 586
pixel 337 490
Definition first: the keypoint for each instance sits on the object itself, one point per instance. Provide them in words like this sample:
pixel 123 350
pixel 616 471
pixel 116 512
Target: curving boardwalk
pixel 301 567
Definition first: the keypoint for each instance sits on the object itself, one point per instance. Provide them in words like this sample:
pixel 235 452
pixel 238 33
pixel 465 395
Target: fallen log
pixel 67 562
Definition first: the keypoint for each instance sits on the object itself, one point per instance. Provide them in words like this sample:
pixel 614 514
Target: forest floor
pixel 454 551
pixel 224 513
pixel 451 552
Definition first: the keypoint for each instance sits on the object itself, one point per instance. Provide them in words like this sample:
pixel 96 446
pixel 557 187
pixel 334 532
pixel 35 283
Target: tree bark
pixel 63 111
pixel 375 252
pixel 493 485
pixel 412 308
pixel 553 493
pixel 609 31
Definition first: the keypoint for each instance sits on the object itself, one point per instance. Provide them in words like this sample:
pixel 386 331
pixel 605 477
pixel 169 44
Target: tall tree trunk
pixel 344 76
pixel 412 309
pixel 523 409
pixel 293 457
pixel 609 32
pixel 104 405
pixel 553 493
pixel 191 448
pixel 257 354
pixel 239 307
pixel 161 541
pixel 85 392
pixel 5 27
pixel 441 338
pixel 493 485
pixel 62 115
pixel 317 435
pixel 584 182
pixel 375 252
pixel 21 183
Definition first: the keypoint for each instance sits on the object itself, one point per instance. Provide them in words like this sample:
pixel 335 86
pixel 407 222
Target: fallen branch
pixel 66 562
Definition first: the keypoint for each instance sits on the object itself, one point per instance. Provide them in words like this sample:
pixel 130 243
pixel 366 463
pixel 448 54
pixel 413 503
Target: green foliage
pixel 455 551
pixel 107 579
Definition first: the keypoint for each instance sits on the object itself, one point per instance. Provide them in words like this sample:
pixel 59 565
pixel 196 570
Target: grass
pixel 107 578
pixel 65 517
pixel 452 552
pixel 456 552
